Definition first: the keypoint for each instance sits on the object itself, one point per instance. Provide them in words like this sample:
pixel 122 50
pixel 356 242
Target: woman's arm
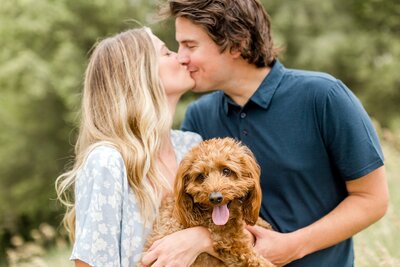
pixel 180 248
pixel 99 199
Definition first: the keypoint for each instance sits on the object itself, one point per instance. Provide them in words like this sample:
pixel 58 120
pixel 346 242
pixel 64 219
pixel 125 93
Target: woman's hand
pixel 179 249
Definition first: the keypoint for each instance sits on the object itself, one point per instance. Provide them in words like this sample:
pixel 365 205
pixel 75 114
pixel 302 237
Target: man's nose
pixel 183 58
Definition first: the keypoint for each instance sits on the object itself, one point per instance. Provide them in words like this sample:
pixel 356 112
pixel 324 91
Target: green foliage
pixel 44 50
pixel 357 41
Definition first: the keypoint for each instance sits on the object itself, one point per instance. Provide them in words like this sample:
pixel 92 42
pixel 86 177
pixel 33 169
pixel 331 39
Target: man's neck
pixel 245 82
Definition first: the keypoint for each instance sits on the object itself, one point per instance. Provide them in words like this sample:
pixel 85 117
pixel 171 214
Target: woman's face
pixel 174 76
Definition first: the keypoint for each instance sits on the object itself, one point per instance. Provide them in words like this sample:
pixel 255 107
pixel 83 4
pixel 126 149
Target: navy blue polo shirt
pixel 310 135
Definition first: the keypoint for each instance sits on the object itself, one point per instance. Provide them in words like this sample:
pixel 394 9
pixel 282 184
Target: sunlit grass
pixel 59 258
pixel 377 246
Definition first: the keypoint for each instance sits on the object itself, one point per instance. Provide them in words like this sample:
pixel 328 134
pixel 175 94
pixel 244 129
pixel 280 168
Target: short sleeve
pixel 348 132
pixel 98 195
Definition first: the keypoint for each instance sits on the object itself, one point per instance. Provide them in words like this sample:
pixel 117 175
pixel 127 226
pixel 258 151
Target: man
pixel 323 176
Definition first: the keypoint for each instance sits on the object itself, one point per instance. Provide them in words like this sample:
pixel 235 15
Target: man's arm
pixel 367 203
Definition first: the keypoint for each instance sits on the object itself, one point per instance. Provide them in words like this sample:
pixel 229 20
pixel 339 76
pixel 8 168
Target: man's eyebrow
pixel 187 41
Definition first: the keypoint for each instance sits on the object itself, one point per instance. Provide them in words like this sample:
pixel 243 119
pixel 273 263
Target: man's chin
pixel 198 90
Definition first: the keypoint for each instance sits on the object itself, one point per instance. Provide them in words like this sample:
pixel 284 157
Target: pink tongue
pixel 220 215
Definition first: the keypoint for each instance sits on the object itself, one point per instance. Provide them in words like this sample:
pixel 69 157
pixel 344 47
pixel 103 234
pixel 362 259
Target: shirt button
pixel 245 132
pixel 242 115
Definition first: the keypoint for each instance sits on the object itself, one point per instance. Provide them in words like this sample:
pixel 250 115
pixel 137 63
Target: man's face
pixel 207 66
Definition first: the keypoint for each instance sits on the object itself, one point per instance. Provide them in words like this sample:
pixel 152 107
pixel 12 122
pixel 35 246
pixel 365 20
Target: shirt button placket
pixel 243 131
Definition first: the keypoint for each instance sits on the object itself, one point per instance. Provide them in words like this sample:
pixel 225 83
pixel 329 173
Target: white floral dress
pixel 109 227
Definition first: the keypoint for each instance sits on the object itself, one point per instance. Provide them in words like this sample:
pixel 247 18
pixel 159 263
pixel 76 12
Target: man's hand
pixel 366 203
pixel 278 248
pixel 179 249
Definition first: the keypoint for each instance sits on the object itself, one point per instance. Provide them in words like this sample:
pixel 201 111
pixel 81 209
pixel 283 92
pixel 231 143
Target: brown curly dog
pixel 217 186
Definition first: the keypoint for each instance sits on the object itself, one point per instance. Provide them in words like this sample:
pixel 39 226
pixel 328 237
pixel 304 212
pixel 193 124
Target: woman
pixel 126 153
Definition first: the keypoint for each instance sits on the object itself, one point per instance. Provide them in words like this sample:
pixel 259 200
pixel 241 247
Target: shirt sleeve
pixel 348 132
pixel 98 194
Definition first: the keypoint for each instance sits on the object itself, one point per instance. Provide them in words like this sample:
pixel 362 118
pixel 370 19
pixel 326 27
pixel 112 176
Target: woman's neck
pixel 167 160
pixel 173 102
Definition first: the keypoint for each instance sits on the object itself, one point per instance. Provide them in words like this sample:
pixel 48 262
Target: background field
pixel 44 50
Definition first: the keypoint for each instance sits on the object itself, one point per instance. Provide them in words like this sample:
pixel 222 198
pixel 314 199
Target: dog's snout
pixel 215 197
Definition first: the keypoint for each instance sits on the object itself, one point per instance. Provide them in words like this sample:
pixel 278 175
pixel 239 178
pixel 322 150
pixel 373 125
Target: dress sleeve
pixel 99 198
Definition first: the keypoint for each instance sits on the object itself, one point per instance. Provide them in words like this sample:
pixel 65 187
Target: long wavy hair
pixel 124 105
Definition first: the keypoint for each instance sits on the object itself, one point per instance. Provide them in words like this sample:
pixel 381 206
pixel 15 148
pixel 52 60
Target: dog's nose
pixel 215 197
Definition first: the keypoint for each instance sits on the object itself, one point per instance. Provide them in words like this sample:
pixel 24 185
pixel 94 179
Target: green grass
pixel 59 258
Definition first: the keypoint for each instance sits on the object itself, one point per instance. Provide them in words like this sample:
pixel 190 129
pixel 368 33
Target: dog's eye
pixel 200 177
pixel 226 172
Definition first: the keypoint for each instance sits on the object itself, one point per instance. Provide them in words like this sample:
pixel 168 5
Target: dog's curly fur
pixel 227 167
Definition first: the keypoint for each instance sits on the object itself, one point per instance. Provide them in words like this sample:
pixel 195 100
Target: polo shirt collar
pixel 264 93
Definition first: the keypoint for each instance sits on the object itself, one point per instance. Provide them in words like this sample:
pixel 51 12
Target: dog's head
pixel 215 176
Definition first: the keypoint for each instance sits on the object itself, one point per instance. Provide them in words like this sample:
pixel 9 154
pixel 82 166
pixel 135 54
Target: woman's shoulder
pixel 103 154
pixel 185 137
pixel 103 161
pixel 103 150
pixel 184 141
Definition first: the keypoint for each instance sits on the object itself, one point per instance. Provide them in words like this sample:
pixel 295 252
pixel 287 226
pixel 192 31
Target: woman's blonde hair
pixel 123 105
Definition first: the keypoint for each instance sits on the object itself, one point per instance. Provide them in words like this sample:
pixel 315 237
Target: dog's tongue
pixel 220 215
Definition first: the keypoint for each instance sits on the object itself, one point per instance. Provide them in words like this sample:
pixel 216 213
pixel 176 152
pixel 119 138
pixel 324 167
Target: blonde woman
pixel 126 153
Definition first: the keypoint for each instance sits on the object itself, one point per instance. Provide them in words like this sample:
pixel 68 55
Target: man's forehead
pixel 185 30
pixel 188 32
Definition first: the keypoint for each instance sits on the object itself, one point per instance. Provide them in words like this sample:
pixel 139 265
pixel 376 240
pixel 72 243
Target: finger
pixel 149 257
pixel 255 230
pixel 154 245
pixel 159 263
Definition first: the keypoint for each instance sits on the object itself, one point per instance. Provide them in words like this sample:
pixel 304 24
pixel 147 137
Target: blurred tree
pixel 44 50
pixel 357 41
pixel 45 46
pixel 379 63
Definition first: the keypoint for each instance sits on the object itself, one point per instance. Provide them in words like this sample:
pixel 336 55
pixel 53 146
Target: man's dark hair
pixel 232 24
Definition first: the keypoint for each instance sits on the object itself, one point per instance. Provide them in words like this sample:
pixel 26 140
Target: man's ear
pixel 235 52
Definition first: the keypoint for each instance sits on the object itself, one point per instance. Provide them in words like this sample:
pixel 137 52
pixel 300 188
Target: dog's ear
pixel 183 201
pixel 252 203
pixel 251 206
